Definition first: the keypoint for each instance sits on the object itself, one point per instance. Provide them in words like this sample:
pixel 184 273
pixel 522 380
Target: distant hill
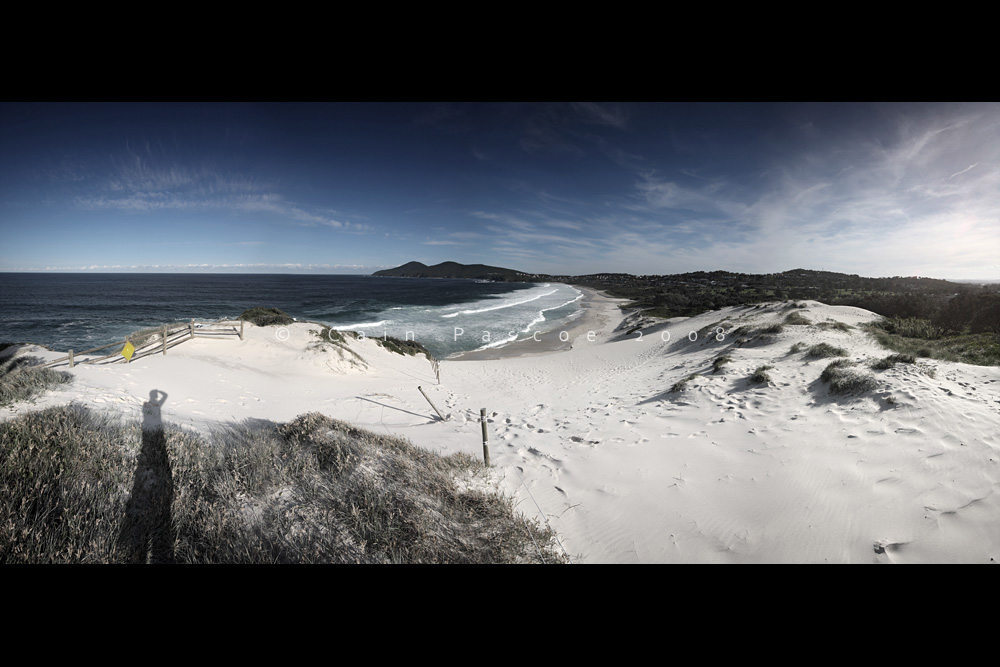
pixel 456 270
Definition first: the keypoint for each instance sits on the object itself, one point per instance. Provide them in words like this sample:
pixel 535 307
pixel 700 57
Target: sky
pixel 874 189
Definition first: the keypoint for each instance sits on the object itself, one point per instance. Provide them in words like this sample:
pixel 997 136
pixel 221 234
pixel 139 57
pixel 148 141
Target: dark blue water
pixel 80 311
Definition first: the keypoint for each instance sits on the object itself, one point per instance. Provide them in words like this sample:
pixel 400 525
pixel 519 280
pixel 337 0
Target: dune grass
pixel 23 378
pixel 796 318
pixel 264 317
pixel 835 325
pixel 681 385
pixel 760 376
pixel 82 487
pixel 404 347
pixel 824 350
pixel 893 359
pixel 720 361
pixel 843 380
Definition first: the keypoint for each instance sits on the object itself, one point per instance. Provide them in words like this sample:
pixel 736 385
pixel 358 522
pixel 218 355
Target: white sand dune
pixel 587 435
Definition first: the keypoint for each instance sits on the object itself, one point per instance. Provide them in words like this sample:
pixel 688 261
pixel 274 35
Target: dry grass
pixel 81 487
pixel 22 378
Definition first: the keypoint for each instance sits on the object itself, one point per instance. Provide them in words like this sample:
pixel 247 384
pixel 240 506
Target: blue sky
pixel 866 188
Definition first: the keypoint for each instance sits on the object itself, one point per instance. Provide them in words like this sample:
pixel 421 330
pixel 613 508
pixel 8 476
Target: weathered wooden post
pixel 432 405
pixel 191 328
pixel 241 329
pixel 486 437
pixel 71 358
pixel 164 334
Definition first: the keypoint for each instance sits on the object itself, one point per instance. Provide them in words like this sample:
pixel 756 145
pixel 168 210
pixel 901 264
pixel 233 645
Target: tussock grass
pixel 681 385
pixel 760 376
pixel 796 348
pixel 843 380
pixel 404 347
pixel 82 487
pixel 720 361
pixel 835 367
pixel 22 378
pixel 893 359
pixel 775 328
pixel 824 350
pixel 796 318
pixel 263 317
pixel 834 324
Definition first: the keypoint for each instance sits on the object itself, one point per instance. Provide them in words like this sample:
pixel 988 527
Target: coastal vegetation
pixel 22 378
pixel 84 487
pixel 843 379
pixel 264 317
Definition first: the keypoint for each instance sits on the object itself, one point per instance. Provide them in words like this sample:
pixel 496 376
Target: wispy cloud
pixel 608 114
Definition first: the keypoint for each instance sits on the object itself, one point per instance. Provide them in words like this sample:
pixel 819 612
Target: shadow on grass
pixel 146 533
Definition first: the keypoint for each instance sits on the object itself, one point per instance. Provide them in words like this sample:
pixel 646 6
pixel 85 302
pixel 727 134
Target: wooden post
pixel 486 437
pixel 164 334
pixel 191 328
pixel 71 358
pixel 241 329
pixel 432 405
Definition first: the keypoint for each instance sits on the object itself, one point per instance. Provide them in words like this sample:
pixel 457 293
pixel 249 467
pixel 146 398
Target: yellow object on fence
pixel 128 351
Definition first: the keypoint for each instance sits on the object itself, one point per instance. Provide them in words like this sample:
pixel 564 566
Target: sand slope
pixel 592 439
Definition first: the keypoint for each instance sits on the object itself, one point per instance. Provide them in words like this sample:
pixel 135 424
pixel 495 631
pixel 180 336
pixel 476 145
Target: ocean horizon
pixel 77 311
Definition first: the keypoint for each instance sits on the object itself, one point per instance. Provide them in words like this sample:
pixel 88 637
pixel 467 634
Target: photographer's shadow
pixel 147 533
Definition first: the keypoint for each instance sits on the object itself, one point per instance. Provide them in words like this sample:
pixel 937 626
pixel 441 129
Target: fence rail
pixel 156 341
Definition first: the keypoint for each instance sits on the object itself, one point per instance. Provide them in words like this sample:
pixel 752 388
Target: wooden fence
pixel 156 342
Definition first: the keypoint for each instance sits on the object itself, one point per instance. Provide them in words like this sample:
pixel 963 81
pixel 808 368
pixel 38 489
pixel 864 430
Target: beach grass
pixel 404 347
pixel 760 376
pixel 843 379
pixel 796 318
pixel 824 350
pixel 893 359
pixel 720 361
pixel 22 378
pixel 83 487
pixel 264 317
pixel 681 385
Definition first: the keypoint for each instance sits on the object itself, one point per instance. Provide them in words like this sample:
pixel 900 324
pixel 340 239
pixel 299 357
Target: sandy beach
pixel 587 436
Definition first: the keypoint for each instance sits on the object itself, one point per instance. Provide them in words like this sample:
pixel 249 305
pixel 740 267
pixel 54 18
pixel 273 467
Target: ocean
pixel 83 310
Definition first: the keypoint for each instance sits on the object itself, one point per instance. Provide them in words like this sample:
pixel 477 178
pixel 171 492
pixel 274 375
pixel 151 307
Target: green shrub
pixel 760 375
pixel 771 329
pixel 263 317
pixel 796 348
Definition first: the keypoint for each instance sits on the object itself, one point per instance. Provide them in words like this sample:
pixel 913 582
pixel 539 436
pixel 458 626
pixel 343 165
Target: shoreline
pixel 599 313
